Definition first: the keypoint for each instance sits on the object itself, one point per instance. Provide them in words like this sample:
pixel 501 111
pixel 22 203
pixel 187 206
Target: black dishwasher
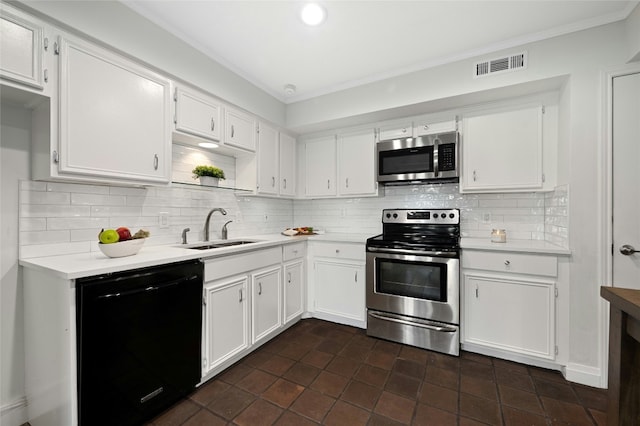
pixel 139 342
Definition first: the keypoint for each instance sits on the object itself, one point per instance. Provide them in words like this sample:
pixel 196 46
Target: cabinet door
pixel 225 320
pixel 266 302
pixel 197 114
pixel 21 44
pixel 340 288
pixel 293 285
pixel 502 150
pixel 395 130
pixel 115 117
pixel 268 158
pixel 320 163
pixel 425 127
pixel 287 165
pixel 356 163
pixel 510 314
pixel 240 130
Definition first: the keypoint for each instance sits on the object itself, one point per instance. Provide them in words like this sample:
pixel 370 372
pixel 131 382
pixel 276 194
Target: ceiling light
pixel 289 89
pixel 313 14
pixel 208 145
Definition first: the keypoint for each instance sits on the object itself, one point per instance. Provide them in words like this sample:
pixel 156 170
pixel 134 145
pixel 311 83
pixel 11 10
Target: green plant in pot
pixel 208 175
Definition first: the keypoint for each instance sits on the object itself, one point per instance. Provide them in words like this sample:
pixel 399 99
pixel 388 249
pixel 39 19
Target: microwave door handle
pixel 436 170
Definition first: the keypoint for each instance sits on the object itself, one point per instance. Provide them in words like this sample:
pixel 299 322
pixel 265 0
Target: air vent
pixel 500 65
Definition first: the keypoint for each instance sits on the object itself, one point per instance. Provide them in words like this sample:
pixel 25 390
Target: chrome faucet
pixel 184 235
pixel 224 230
pixel 206 222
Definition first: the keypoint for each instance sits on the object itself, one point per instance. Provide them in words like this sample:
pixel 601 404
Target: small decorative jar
pixel 498 236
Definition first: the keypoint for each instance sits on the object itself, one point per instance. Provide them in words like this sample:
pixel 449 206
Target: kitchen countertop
pixel 524 246
pixel 74 266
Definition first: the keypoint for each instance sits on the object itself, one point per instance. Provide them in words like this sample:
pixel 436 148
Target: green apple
pixel 108 236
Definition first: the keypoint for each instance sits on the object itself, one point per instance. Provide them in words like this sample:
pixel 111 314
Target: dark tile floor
pixel 318 372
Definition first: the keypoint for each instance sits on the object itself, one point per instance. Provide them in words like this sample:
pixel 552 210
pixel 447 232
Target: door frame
pixel 606 210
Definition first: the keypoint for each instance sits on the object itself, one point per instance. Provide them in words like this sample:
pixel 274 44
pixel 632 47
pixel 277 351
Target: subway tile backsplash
pixel 62 218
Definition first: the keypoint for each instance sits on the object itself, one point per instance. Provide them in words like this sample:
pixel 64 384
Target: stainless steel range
pixel 413 279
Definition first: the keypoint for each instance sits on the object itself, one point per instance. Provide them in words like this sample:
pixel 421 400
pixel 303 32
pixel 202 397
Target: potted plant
pixel 208 175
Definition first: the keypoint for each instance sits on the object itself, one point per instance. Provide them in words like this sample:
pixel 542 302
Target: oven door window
pixel 421 280
pixel 404 161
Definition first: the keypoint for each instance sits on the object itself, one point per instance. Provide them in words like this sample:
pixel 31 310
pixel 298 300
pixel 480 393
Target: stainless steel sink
pixel 219 244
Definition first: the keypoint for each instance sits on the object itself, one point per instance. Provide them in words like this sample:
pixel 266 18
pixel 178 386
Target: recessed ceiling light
pixel 208 145
pixel 313 14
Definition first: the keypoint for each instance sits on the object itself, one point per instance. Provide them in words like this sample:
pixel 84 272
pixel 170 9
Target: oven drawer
pixel 339 250
pixel 519 263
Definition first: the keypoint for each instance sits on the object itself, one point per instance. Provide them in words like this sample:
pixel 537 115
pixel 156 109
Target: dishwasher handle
pixel 153 287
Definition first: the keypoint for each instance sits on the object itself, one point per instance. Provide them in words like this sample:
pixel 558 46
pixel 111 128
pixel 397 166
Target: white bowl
pixel 122 248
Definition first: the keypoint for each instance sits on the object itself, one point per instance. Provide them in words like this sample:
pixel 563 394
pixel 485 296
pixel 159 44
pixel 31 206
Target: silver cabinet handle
pixel 476 291
pixel 55 157
pixel 403 130
pixel 346 182
pixel 355 276
pixel 285 183
pixel 474 176
pixel 507 263
pixel 46 75
pixel 628 250
pixel 426 127
pixel 289 277
pixel 232 130
pixel 273 181
pixel 241 299
pixel 213 124
pixel 337 251
pixel 328 184
pixel 259 289
pixel 155 161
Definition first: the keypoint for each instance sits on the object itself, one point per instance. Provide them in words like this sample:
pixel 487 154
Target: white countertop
pixel 74 266
pixel 524 246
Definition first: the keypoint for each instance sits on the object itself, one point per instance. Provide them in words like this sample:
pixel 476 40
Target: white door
pixel 626 176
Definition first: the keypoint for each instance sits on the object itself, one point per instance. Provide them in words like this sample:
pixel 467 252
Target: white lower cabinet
pixel 226 325
pixel 509 305
pixel 294 281
pixel 266 302
pixel 338 281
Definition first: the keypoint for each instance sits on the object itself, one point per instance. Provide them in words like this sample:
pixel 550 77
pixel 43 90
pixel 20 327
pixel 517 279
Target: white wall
pixel 632 28
pixel 15 138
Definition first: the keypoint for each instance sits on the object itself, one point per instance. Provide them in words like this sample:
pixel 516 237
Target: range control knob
pixel 388 215
pixel 451 215
pixel 395 215
pixel 443 215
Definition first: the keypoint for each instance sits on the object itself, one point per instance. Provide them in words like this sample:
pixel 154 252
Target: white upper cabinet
pixel 341 165
pixel 268 160
pixel 115 117
pixel 287 165
pixel 395 130
pixel 502 150
pixel 356 163
pixel 320 167
pixel 21 48
pixel 197 114
pixel 240 130
pixel 425 126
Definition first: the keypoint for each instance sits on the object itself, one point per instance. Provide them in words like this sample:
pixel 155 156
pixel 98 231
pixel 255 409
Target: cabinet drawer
pixel 428 128
pixel 293 251
pixel 220 267
pixel 340 250
pixel 520 263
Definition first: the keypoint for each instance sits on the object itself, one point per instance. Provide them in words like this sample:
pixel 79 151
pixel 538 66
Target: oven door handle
pixel 413 252
pixel 441 328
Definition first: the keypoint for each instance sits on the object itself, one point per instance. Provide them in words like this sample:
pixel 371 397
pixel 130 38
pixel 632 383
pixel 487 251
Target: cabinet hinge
pixel 175 95
pixel 55 157
pixel 175 119
pixel 46 43
pixel 457 122
pixel 258 129
pixel 544 178
pixel 56 48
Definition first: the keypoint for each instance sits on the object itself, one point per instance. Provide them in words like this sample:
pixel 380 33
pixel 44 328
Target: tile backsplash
pixel 64 218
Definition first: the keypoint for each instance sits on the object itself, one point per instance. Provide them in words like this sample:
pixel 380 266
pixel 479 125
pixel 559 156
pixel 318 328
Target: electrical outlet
pixel 163 219
pixel 486 218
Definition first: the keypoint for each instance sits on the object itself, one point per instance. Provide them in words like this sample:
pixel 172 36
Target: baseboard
pixel 586 375
pixel 14 413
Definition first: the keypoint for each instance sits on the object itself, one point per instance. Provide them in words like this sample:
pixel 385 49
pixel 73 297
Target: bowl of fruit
pixel 120 243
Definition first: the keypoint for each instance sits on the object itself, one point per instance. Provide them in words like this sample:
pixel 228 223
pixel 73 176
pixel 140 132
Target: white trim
pixel 605 231
pixel 585 374
pixel 14 413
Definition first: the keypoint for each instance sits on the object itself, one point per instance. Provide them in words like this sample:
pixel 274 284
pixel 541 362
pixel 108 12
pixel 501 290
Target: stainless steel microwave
pixel 429 158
